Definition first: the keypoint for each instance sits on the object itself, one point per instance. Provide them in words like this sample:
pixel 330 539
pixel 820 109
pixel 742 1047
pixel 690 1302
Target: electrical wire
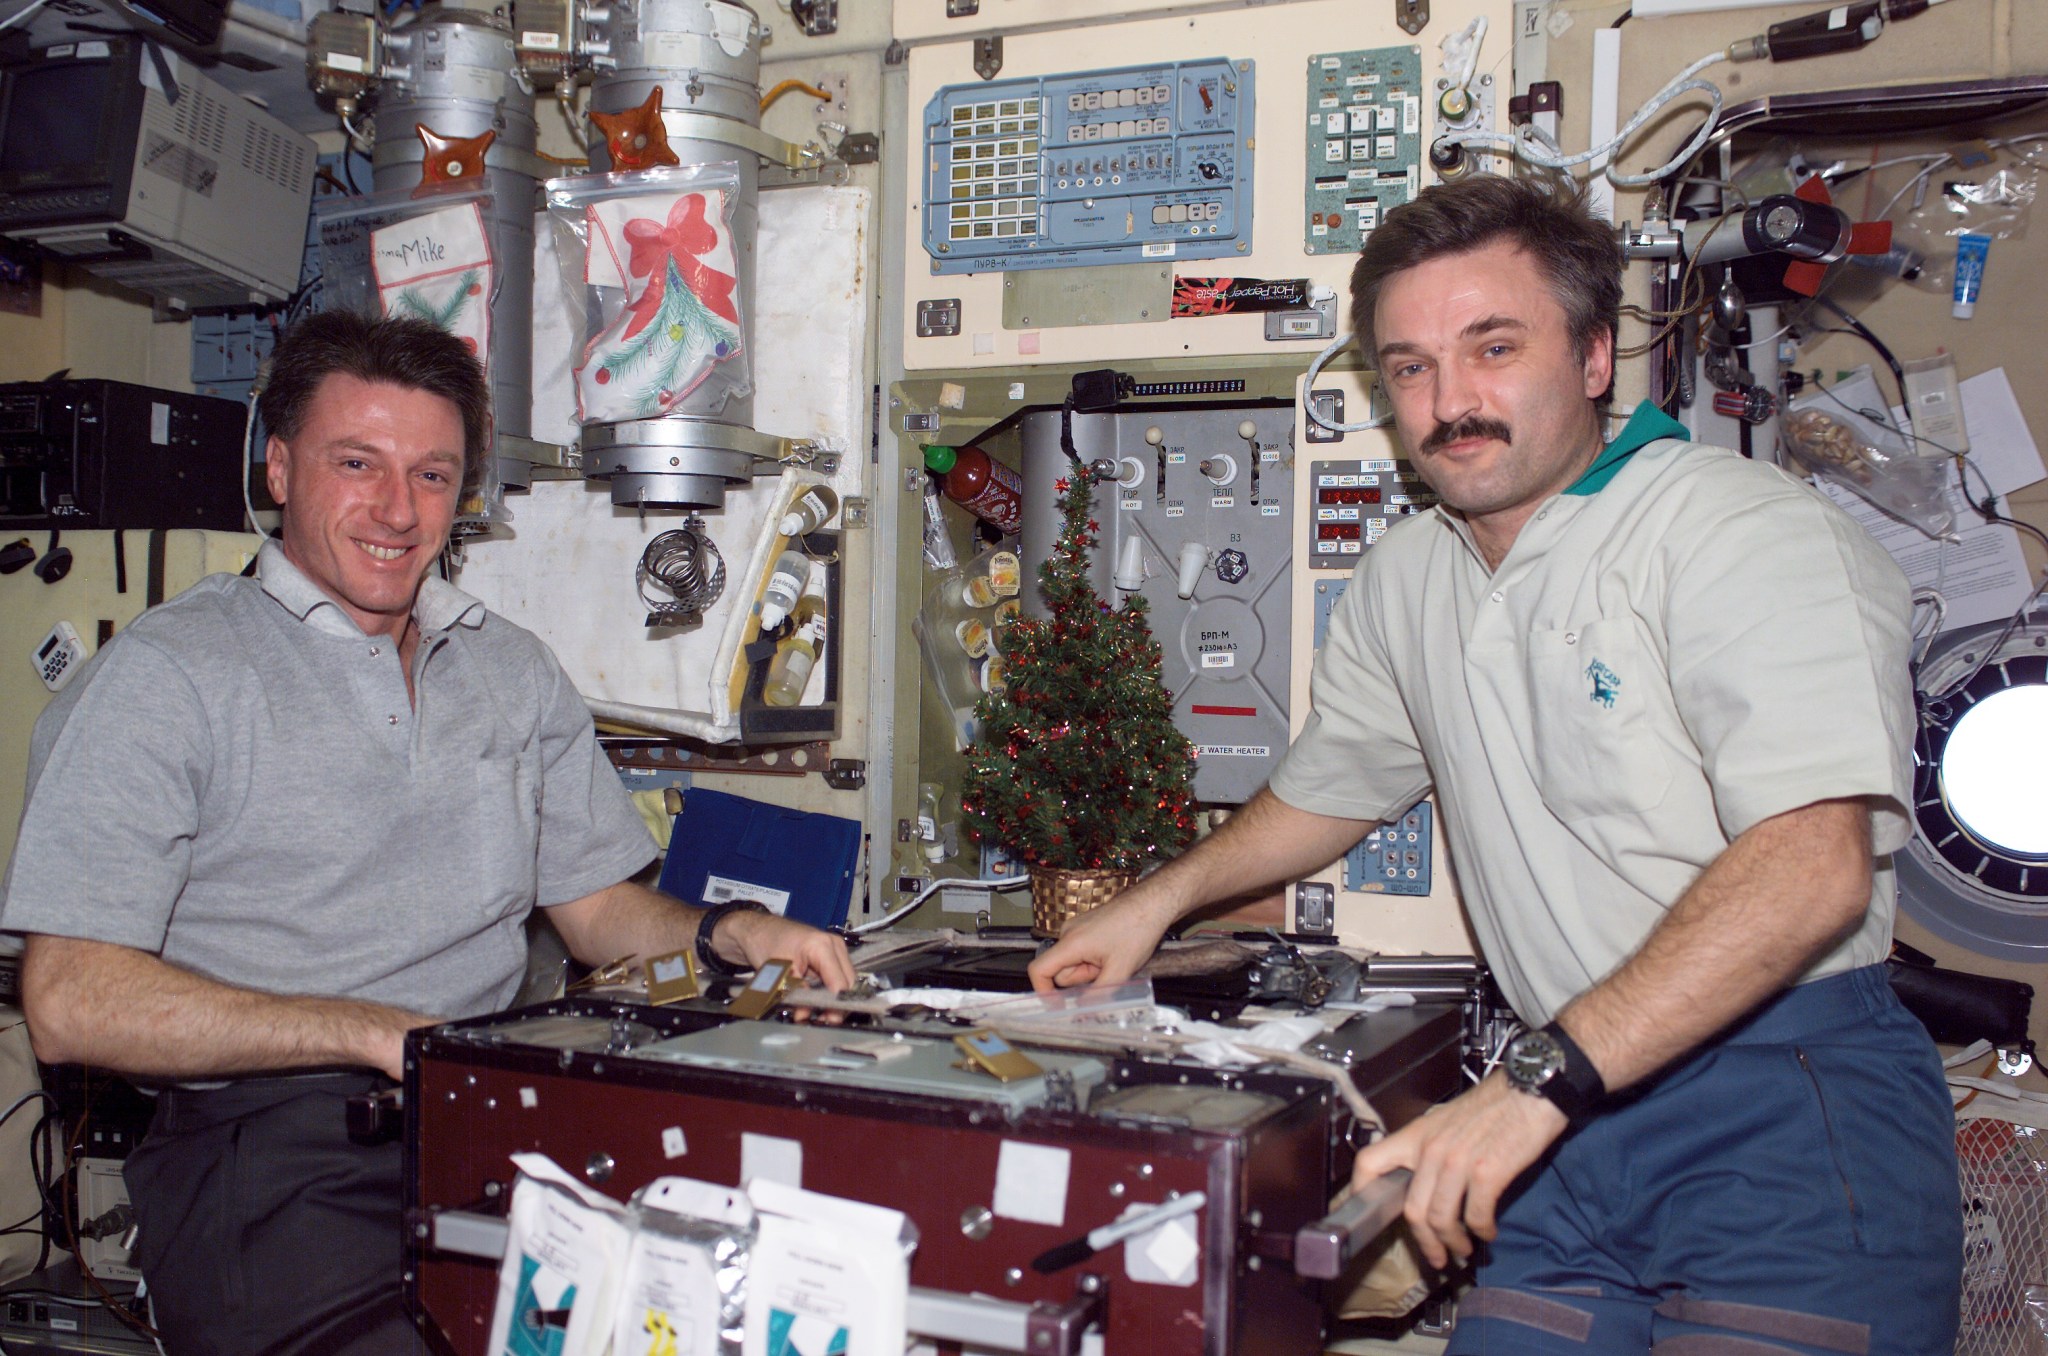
pixel 822 96
pixel 24 1100
pixel 1690 278
pixel 1937 607
pixel 1772 338
pixel 2027 604
pixel 1530 145
pixel 358 140
pixel 249 461
pixel 92 1281
pixel 1878 346
pixel 1984 508
pixel 921 896
pixel 20 17
pixel 1308 383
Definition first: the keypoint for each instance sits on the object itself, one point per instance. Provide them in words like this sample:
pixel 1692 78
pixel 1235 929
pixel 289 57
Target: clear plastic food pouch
pixel 1840 445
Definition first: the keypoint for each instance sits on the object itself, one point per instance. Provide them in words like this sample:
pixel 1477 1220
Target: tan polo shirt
pixel 1700 644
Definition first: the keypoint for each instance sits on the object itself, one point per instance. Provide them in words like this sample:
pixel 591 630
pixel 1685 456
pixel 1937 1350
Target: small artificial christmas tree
pixel 1079 766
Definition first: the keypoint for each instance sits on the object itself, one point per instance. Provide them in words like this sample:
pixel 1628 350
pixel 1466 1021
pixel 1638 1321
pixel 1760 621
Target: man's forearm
pixel 631 920
pixel 118 1008
pixel 1763 911
pixel 1266 842
pixel 627 919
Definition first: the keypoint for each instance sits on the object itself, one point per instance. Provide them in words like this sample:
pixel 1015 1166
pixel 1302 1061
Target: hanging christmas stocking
pixel 438 267
pixel 670 256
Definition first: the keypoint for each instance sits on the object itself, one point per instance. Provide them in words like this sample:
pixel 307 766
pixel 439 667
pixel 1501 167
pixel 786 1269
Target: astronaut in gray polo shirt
pixel 1661 695
pixel 282 820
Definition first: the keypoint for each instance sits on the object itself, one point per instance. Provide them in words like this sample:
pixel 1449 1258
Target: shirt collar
pixel 1645 426
pixel 438 606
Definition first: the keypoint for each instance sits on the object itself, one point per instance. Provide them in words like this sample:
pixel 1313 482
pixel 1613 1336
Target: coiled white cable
pixel 1530 144
pixel 1308 383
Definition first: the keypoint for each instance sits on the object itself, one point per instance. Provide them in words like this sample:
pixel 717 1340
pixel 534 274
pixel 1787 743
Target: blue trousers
pixel 1790 1188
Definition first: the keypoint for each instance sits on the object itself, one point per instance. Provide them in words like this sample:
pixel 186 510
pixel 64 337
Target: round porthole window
pixel 1976 870
pixel 1994 771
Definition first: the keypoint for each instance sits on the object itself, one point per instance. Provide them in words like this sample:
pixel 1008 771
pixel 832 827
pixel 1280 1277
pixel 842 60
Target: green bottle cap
pixel 938 457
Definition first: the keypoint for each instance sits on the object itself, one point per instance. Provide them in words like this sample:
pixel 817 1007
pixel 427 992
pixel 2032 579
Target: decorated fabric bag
pixel 438 267
pixel 659 273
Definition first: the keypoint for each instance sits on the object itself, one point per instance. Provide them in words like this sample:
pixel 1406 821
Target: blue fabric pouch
pixel 798 863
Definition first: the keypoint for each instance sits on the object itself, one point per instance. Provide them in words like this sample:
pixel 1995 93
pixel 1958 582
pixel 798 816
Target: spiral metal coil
pixel 686 564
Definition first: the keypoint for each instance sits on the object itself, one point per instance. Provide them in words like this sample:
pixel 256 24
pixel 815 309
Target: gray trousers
pixel 264 1230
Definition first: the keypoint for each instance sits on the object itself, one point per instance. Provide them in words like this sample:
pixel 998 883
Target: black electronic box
pixel 103 455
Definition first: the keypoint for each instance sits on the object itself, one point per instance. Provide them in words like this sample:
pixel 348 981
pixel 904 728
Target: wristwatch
pixel 707 926
pixel 1548 1063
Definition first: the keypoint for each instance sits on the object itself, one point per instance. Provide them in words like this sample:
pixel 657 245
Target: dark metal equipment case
pixel 1266 1148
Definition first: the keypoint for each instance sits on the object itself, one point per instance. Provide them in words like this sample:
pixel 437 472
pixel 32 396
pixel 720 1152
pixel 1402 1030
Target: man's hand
pixel 1266 841
pixel 385 1050
pixel 1464 1154
pixel 628 919
pixel 761 937
pixel 1106 945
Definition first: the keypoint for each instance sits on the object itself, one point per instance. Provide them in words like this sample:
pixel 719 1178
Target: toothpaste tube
pixel 1971 252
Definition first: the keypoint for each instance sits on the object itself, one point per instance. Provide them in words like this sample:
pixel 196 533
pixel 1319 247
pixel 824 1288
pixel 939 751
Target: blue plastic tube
pixel 1971 252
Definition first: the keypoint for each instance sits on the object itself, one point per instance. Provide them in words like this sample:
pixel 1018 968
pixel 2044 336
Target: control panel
pixel 1196 522
pixel 1364 143
pixel 1394 859
pixel 1351 503
pixel 1099 167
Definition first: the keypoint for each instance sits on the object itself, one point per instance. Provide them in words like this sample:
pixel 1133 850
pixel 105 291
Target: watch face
pixel 1532 1060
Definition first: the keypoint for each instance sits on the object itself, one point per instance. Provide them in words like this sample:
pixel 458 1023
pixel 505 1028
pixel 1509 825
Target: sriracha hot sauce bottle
pixel 980 484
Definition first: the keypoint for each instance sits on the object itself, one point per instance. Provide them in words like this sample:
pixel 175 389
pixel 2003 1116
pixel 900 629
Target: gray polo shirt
pixel 1699 644
pixel 238 783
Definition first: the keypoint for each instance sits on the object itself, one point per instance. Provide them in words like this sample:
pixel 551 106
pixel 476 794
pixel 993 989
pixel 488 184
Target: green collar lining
pixel 1646 425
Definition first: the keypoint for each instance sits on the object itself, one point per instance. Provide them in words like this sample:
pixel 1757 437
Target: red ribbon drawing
pixel 684 236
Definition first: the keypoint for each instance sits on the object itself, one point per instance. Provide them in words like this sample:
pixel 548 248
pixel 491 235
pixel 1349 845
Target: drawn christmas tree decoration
pixel 671 256
pixel 438 267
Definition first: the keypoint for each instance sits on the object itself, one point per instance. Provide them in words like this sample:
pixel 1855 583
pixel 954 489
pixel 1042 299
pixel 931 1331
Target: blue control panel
pixel 1394 858
pixel 1097 167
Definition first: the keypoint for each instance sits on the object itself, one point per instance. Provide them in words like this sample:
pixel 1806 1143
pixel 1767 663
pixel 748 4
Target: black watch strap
pixel 707 928
pixel 1577 1089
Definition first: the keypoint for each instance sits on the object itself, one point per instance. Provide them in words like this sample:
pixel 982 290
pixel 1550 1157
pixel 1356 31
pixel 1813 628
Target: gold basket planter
pixel 1056 896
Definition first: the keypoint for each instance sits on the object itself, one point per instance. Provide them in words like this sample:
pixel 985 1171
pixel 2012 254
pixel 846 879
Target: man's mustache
pixel 1472 426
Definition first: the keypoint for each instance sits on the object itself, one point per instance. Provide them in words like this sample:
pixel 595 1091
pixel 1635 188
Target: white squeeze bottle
pixel 785 585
